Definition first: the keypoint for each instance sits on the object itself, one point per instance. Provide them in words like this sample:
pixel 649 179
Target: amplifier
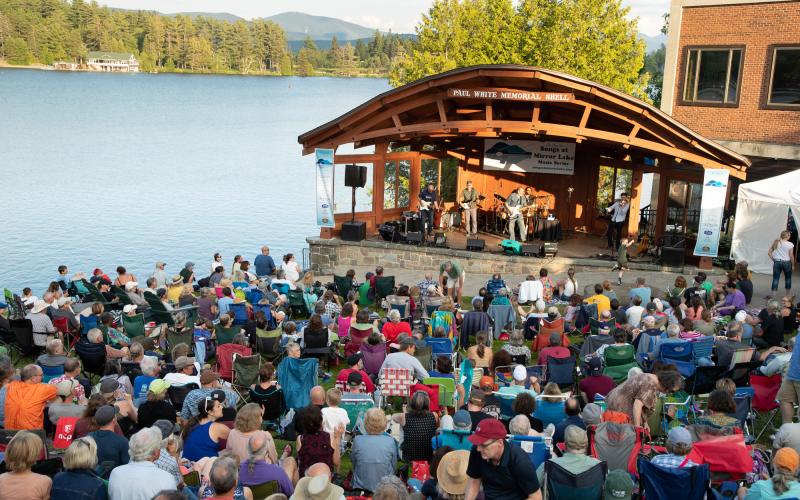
pixel 550 248
pixel 476 245
pixel 411 223
pixel 531 250
pixel 414 238
pixel 354 231
pixel 390 231
pixel 673 256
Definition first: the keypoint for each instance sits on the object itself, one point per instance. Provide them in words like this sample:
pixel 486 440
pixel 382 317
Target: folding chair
pixel 343 286
pixel 253 295
pixel 702 348
pixel 395 382
pixel 536 447
pixel 765 390
pixel 447 390
pixel 239 310
pixel 662 483
pixel 561 484
pixel 682 405
pixel 297 303
pixel 561 371
pixel 226 335
pixel 296 377
pixel 93 358
pixel 679 354
pixel 264 490
pixel 503 375
pixel 401 304
pixel 373 357
pixel 23 331
pixel 267 310
pixel 424 355
pixel 455 439
pixel 174 338
pixel 245 374
pixel 744 415
pixel 619 359
pixel 617 444
pixel 384 286
pixel 177 394
pixel 445 319
pixel 121 296
pixel 88 323
pixel 550 410
pixel 225 354
pixel 506 405
pixel 705 378
pixel 51 372
pixel 356 408
pixel 268 344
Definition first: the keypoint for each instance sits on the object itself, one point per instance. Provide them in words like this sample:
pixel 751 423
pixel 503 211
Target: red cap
pixel 487 430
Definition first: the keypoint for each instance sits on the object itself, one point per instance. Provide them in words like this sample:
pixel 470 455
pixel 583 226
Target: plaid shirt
pixel 78 393
pixel 671 461
pixel 167 463
pixel 332 309
pixel 189 409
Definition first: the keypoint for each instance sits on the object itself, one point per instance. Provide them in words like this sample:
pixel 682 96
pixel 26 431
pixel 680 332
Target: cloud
pixel 650 14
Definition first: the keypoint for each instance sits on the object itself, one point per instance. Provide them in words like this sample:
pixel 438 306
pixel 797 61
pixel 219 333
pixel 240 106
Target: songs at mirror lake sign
pixel 511 95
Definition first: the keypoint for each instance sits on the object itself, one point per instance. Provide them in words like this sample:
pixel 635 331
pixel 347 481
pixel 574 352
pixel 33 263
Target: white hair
pixel 149 365
pixel 53 345
pixel 520 425
pixel 394 315
pixel 673 331
pixel 540 306
pixel 95 336
pixel 649 321
pixel 144 444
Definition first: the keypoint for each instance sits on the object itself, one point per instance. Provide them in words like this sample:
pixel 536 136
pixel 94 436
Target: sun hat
pixel 520 373
pixel 618 485
pixel 452 472
pixel 39 306
pixel 488 429
pixel 462 420
pixel 787 458
pixel 183 361
pixel 177 279
pixel 317 488
pixel 65 387
pixel 63 300
pixel 129 308
pixel 131 286
pixel 679 435
pixel 158 386
pixel 105 414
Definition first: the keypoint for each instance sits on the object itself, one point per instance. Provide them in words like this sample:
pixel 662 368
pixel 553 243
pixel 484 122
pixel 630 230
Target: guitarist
pixel 469 201
pixel 514 203
pixel 428 202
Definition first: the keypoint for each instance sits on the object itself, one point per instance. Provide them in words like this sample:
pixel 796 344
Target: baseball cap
pixel 462 420
pixel 787 459
pixel 105 414
pixel 591 414
pixel 208 376
pixel 354 379
pixel 108 386
pixel 477 397
pixel 217 395
pixel 618 485
pixel 129 308
pixel 487 383
pixel 679 435
pixel 183 361
pixel 166 427
pixel 650 306
pixel 131 286
pixel 158 386
pixel 520 373
pixel 488 429
pixel 354 358
pixel 595 365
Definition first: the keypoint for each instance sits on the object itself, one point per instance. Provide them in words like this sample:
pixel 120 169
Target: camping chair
pixel 619 359
pixel 274 409
pixel 297 303
pixel 121 295
pixel 239 311
pixel 681 402
pixel 384 286
pixel 225 355
pixel 133 325
pixel 506 405
pixel 455 439
pixel 402 304
pixel 705 378
pixel 51 372
pixel 226 335
pixel 561 371
pixel 343 286
pixel 744 414
pixel 592 343
pixel 765 390
pixel 741 365
pixel 680 355
pixel 93 358
pixel 595 325
pixel 472 323
pixel 65 429
pixel 446 320
pixel 431 305
pixel 561 484
pixel 702 348
pixel 542 341
pixel 502 315
pixel 395 382
pixel 424 355
pixel 253 295
pixel 263 490
pixel 447 390
pixel 177 394
pixel 373 357
pixel 240 284
pixel 433 395
pixel 23 331
pixel 267 310
pixel 174 338
pixel 550 410
pixel 616 444
pixel 268 344
pixel 536 447
pixel 503 376
pixel 662 483
pixel 356 408
pixel 296 377
pixel 245 374
pixel 88 323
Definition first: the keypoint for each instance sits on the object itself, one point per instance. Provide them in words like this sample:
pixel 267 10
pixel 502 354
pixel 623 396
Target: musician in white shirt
pixel 469 202
pixel 514 204
pixel 619 212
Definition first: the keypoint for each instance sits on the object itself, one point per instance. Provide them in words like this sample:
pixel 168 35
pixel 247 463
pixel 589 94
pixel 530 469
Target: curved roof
pixel 424 110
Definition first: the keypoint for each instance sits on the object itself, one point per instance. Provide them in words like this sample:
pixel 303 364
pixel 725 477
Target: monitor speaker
pixel 550 248
pixel 476 245
pixel 440 239
pixel 390 231
pixel 414 238
pixel 355 176
pixel 673 256
pixel 354 231
pixel 532 250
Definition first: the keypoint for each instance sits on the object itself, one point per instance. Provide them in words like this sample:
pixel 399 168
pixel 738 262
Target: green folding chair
pixel 174 338
pixel 384 286
pixel 268 344
pixel 343 285
pixel 225 335
pixel 245 374
pixel 356 409
pixel 263 490
pixel 121 296
pixel 619 359
pixel 133 325
pixel 447 389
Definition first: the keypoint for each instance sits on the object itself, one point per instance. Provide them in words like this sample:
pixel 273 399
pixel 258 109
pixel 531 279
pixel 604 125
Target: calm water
pixel 103 170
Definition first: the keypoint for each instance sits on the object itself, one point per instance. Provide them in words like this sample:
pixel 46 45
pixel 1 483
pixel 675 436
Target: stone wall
pixel 331 255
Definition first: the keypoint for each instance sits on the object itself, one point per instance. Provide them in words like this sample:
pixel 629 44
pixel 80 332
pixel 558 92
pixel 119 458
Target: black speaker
pixel 674 240
pixel 673 256
pixel 414 238
pixel 532 250
pixel 440 239
pixel 476 245
pixel 355 176
pixel 550 248
pixel 354 231
pixel 390 231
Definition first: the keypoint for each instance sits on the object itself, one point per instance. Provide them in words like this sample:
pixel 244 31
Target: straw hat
pixel 39 306
pixel 177 279
pixel 317 488
pixel 452 472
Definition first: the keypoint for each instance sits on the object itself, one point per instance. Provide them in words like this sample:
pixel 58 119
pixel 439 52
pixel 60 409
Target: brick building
pixel 732 73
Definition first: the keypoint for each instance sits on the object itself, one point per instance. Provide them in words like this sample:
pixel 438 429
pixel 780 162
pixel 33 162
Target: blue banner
pixel 325 187
pixel 712 205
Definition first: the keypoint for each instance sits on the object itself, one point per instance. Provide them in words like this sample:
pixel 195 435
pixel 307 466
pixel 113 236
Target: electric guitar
pixel 465 206
pixel 513 212
pixel 425 205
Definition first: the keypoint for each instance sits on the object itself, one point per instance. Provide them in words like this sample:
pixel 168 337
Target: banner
pixel 712 204
pixel 324 187
pixel 544 157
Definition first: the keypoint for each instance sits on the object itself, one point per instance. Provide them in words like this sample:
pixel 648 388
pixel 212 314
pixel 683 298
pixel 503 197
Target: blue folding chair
pixel 281 288
pixel 561 371
pixel 439 345
pixel 240 284
pixel 267 310
pixel 296 377
pixel 549 412
pixel 254 295
pixel 662 483
pixel 455 439
pixel 506 405
pixel 535 447
pixel 239 311
pixel 51 372
pixel 702 348
pixel 679 354
pixel 87 323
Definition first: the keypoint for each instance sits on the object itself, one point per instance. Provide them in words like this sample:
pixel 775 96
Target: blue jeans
pixel 778 267
pixel 426 220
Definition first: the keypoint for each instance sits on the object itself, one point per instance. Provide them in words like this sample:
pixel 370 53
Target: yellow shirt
pixel 174 293
pixel 603 303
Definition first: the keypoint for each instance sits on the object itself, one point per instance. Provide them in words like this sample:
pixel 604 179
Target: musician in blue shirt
pixel 427 204
pixel 514 204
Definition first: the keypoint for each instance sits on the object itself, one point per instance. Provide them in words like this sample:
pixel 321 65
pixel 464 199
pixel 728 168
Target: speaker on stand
pixel 355 176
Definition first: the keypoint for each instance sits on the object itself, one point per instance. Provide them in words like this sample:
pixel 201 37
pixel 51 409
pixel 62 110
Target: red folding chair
pixel 433 394
pixel 225 354
pixel 765 391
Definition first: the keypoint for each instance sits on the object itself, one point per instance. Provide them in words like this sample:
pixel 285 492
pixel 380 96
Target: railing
pixel 306 258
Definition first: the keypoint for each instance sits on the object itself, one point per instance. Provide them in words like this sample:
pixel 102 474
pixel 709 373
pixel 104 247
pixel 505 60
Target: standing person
pixel 504 471
pixel 469 201
pixel 217 262
pixel 622 258
pixel 428 202
pixel 291 268
pixel 514 203
pixel 264 264
pixel 160 275
pixel 619 212
pixel 455 274
pixel 782 255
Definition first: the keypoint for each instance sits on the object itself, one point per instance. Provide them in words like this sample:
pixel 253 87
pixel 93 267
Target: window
pixel 343 195
pixel 443 173
pixel 784 83
pixel 395 184
pixel 611 183
pixel 712 76
pixel 683 207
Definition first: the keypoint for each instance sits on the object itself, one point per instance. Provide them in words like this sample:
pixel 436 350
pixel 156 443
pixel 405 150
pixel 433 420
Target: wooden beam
pixel 537 111
pixel 488 114
pixel 585 118
pixel 442 112
pixel 396 121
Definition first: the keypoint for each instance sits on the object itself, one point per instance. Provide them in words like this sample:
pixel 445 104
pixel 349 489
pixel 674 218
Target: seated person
pixel 501 298
pixel 521 379
pixel 673 337
pixel 734 302
pixel 394 327
pixel 444 367
pixel 355 363
pixel 524 405
pixel 596 383
pixel 602 301
pixel 554 350
pixel 496 284
pixel 516 346
pixel 770 326
pixel 620 339
pixel 574 459
pixel 480 354
pixel 572 409
pixel 782 484
pixel 720 406
pixel 725 346
pixel 679 444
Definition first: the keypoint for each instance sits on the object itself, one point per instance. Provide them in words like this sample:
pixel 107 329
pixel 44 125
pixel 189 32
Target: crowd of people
pixel 122 435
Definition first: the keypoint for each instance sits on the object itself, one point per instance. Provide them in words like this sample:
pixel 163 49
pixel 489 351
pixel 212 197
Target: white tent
pixel 761 214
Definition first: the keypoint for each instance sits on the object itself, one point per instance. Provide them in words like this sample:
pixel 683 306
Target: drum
pixel 455 218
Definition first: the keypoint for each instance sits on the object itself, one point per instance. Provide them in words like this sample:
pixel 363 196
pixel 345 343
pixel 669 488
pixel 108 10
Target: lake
pixel 101 170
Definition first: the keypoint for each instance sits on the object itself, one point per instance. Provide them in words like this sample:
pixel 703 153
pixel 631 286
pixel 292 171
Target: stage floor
pixel 572 245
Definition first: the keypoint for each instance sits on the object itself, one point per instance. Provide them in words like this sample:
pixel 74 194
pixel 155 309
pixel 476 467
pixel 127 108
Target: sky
pixel 398 15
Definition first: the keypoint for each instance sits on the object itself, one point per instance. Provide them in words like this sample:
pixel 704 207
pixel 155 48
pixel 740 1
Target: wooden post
pixel 636 202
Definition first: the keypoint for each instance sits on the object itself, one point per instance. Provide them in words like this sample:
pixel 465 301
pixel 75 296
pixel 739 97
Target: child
pixel 202 336
pixel 622 258
pixel 334 417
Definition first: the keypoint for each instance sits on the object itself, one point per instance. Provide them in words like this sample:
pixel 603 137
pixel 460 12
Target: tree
pixel 17 52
